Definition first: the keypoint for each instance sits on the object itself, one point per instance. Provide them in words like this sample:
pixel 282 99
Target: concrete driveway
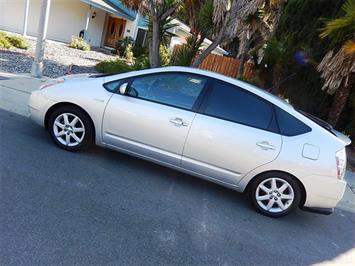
pixel 103 207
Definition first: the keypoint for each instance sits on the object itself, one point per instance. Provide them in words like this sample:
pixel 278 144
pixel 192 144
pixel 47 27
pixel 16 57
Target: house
pixel 101 22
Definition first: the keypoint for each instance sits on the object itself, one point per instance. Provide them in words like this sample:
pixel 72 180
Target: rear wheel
pixel 70 128
pixel 274 194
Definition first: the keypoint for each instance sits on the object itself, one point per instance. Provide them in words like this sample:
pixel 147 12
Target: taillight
pixel 51 83
pixel 340 158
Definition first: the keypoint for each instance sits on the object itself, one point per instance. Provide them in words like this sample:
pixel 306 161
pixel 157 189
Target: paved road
pixel 103 207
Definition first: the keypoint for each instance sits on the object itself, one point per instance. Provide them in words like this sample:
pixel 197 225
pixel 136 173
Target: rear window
pixel 290 125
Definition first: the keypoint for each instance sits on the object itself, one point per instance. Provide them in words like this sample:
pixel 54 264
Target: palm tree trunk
pixel 341 97
pixel 154 57
pixel 210 48
pixel 243 59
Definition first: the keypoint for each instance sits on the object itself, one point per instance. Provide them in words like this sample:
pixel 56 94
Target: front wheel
pixel 70 128
pixel 274 194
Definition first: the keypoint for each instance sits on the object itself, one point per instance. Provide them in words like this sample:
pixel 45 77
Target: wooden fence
pixel 226 65
pixel 221 64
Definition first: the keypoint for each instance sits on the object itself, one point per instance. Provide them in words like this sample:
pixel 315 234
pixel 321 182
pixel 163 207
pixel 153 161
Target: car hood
pixel 76 76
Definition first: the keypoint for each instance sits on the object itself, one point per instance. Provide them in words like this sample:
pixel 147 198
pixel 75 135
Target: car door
pixel 154 116
pixel 234 132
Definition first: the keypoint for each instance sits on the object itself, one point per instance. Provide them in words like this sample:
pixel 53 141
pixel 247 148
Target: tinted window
pixel 232 103
pixel 112 86
pixel 176 89
pixel 290 125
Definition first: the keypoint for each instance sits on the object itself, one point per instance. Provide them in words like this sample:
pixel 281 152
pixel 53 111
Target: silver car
pixel 205 124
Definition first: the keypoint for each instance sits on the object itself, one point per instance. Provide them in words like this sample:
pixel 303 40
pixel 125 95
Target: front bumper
pixel 38 106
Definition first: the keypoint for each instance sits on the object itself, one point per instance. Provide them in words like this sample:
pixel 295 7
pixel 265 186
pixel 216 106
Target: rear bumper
pixel 323 192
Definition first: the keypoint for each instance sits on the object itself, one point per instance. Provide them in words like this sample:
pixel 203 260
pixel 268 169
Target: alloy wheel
pixel 69 129
pixel 274 195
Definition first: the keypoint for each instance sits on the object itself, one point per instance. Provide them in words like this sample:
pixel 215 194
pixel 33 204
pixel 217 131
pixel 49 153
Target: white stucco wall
pixel 131 28
pixel 67 18
pixel 12 15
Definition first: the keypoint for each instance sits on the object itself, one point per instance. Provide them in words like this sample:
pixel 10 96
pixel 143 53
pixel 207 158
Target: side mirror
pixel 123 88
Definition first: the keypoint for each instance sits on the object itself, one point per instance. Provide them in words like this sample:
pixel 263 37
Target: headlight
pixel 340 158
pixel 51 82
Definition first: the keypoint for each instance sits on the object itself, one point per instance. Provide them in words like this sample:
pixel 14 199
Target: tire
pixel 71 128
pixel 274 194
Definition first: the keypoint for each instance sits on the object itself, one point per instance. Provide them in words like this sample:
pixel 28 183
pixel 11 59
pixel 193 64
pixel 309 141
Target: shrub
pixel 2 34
pixel 18 42
pixel 4 43
pixel 79 43
pixel 129 53
pixel 138 51
pixel 113 67
pixel 7 41
pixel 165 55
pixel 183 56
pixel 141 62
pixel 254 80
pixel 121 45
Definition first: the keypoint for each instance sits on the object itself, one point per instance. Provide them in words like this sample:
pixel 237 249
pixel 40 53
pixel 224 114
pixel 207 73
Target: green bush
pixel 138 51
pixel 183 56
pixel 165 55
pixel 18 42
pixel 129 53
pixel 113 67
pixel 119 66
pixel 79 43
pixel 7 41
pixel 4 43
pixel 121 45
pixel 254 80
pixel 141 62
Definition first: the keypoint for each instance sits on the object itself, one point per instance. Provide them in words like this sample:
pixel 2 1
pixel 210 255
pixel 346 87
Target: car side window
pixel 112 86
pixel 290 125
pixel 175 89
pixel 232 103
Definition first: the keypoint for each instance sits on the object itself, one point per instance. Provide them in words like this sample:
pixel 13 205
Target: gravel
pixel 58 59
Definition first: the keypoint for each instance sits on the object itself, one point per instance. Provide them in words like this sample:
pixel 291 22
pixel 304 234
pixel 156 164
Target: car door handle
pixel 265 145
pixel 177 121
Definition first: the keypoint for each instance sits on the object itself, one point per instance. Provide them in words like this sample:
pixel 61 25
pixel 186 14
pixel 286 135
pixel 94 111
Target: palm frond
pixel 336 69
pixel 344 24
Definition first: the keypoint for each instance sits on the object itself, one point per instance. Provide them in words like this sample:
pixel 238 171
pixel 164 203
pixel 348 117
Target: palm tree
pixel 338 65
pixel 260 22
pixel 226 18
pixel 158 12
pixel 198 15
